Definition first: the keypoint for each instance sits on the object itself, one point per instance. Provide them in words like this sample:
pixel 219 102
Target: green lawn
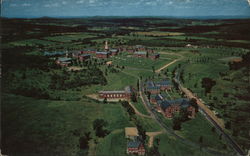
pixel 169 146
pixel 199 126
pixel 53 127
pixel 141 63
pixel 32 42
pixel 69 38
pixel 148 124
pixel 140 106
pixel 112 145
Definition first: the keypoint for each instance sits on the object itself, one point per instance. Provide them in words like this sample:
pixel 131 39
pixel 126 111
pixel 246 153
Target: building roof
pixel 134 143
pixel 181 102
pixel 112 92
pixel 163 83
pixel 153 88
pixel 150 84
pixel 53 53
pixel 102 52
pixel 139 46
pixel 88 50
pixel 85 55
pixel 64 59
pixel 159 97
pixel 131 131
pixel 114 50
pixel 140 53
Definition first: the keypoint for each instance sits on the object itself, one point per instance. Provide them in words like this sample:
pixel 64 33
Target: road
pixel 172 62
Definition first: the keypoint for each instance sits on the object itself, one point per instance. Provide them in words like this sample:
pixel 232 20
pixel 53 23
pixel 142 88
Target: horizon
pixel 140 8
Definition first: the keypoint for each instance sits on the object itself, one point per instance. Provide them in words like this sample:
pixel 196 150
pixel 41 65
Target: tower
pixel 106 46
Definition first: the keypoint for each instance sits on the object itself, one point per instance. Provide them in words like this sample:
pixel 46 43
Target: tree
pixel 201 139
pixel 176 123
pixel 207 83
pixel 84 141
pixel 193 102
pixel 98 126
pixel 133 97
pixel 105 100
pixel 153 69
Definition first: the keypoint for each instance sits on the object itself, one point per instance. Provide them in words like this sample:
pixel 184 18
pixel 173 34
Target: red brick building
pixel 169 107
pixel 157 87
pixel 102 54
pixel 88 51
pixel 135 147
pixel 120 94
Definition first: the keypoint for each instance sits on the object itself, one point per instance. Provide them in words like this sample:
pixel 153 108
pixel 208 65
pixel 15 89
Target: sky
pixel 69 8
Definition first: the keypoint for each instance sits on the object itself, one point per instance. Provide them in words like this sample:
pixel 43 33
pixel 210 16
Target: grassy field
pixel 114 144
pixel 199 126
pixel 140 106
pixel 159 33
pixel 170 146
pixel 70 37
pixel 32 42
pixel 141 63
pixel 53 126
pixel 148 124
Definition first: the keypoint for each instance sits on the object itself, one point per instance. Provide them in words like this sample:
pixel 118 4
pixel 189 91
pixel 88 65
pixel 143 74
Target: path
pixel 169 64
pixel 151 137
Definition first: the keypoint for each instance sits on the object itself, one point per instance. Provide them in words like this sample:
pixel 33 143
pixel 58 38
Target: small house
pixel 64 61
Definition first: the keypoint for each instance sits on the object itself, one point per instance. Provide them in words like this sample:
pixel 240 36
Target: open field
pixel 112 145
pixel 171 146
pixel 70 38
pixel 200 127
pixel 60 122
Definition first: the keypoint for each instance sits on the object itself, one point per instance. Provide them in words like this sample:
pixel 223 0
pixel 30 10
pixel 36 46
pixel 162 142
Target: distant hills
pixel 175 17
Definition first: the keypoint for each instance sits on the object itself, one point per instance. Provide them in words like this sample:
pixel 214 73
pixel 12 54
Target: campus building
pixel 102 54
pixel 134 143
pixel 88 51
pixel 169 107
pixel 119 94
pixel 157 87
pixel 64 61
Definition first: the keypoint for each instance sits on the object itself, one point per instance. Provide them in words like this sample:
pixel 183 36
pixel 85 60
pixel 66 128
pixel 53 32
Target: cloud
pixel 13 5
pixel 64 2
pixel 51 5
pixel 26 4
pixel 80 2
pixel 248 2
